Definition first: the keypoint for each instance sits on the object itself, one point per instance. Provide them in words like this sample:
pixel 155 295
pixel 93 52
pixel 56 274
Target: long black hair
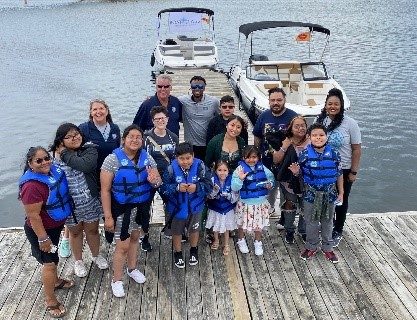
pixel 61 132
pixel 339 117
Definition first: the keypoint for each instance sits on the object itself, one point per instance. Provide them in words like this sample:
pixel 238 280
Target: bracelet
pixel 282 149
pixel 44 240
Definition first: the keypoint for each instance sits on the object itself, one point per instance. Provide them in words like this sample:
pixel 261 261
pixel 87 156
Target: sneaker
pixel 136 275
pixel 179 260
pixel 289 237
pixel 331 256
pixel 145 245
pixel 307 254
pixel 258 248
pixel 117 288
pixel 243 246
pixel 64 249
pixel 79 269
pixel 273 214
pixel 193 257
pixel 101 262
pixel 336 238
pixel 280 226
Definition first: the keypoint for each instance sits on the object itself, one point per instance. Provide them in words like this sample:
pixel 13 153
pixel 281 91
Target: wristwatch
pixel 354 172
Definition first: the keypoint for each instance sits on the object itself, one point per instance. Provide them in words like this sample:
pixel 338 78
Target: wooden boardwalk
pixel 375 279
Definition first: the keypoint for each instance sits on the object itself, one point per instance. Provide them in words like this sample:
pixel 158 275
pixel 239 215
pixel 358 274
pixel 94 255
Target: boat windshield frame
pixel 305 65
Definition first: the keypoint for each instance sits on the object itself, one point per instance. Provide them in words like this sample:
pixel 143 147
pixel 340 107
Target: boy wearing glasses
pixel 218 124
pixel 197 111
pixel 163 98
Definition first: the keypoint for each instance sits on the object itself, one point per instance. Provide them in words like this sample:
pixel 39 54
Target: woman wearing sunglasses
pixel 79 161
pixel 43 190
pixel 218 124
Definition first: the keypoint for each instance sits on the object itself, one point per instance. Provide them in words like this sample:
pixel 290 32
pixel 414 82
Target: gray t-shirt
pixel 111 164
pixel 343 137
pixel 196 117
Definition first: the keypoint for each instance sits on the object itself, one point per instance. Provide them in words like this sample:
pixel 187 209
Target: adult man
pixel 162 98
pixel 271 124
pixel 197 111
pixel 218 124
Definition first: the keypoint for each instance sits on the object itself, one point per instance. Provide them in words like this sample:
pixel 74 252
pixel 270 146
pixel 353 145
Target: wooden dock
pixel 375 279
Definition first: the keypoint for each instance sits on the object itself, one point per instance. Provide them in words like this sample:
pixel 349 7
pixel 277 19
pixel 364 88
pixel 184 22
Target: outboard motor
pixel 258 57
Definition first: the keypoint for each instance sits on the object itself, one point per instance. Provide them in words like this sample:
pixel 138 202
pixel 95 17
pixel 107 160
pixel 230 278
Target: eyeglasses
pixel 40 160
pixel 198 86
pixel 77 135
pixel 161 86
pixel 227 107
pixel 159 119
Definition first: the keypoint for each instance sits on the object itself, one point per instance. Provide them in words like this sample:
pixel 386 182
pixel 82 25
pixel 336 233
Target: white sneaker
pixel 117 288
pixel 243 247
pixel 137 276
pixel 101 262
pixel 258 248
pixel 79 269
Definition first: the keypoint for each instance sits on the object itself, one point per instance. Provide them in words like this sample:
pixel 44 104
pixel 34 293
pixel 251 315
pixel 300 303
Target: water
pixel 56 58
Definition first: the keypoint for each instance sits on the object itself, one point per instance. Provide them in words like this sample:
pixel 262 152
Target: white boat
pixel 187 41
pixel 305 82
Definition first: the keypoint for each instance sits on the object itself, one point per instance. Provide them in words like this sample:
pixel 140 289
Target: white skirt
pixel 221 222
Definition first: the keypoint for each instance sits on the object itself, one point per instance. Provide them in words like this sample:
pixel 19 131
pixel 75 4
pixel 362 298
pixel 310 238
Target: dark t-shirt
pixel 35 192
pixel 266 124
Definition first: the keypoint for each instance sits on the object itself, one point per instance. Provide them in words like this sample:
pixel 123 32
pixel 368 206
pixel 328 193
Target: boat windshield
pixel 262 72
pixel 312 71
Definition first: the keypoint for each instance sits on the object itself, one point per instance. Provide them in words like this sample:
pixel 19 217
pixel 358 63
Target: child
pixel 320 167
pixel 186 183
pixel 221 206
pixel 253 180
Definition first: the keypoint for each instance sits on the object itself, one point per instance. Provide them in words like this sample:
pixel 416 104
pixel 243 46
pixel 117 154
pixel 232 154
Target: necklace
pixel 103 129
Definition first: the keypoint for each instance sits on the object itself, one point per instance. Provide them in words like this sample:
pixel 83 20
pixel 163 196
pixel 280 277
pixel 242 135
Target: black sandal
pixel 61 313
pixel 64 284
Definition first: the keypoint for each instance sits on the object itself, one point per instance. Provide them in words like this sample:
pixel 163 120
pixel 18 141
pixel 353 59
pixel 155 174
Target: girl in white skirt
pixel 221 206
pixel 253 180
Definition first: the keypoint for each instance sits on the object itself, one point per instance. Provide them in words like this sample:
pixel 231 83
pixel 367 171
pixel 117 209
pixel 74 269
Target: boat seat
pixel 268 86
pixel 203 50
pixel 173 50
pixel 311 102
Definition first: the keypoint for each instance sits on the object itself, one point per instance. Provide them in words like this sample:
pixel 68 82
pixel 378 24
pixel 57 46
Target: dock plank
pixel 165 288
pixel 376 269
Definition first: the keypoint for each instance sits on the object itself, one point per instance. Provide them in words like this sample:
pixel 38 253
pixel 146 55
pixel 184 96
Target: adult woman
pixel 160 143
pixel 43 190
pixel 79 160
pixel 296 140
pixel 127 178
pixel 343 135
pixel 227 146
pixel 101 130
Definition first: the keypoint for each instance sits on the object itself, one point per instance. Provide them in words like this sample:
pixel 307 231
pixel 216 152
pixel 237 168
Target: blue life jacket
pixel 320 169
pixel 59 204
pixel 185 203
pixel 250 188
pixel 130 184
pixel 221 205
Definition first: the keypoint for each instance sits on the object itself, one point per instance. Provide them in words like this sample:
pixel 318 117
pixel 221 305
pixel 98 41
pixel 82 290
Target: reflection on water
pixel 55 58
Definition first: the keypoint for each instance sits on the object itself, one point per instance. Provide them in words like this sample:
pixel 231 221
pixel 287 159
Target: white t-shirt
pixel 343 137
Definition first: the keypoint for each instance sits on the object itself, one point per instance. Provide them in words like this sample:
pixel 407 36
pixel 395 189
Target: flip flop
pixel 215 245
pixel 226 250
pixel 51 310
pixel 64 284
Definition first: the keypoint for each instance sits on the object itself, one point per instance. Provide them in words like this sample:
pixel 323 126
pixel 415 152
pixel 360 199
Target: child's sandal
pixel 215 245
pixel 226 250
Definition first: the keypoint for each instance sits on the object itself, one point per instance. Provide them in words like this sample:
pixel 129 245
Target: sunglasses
pixel 161 86
pixel 227 107
pixel 40 160
pixel 198 86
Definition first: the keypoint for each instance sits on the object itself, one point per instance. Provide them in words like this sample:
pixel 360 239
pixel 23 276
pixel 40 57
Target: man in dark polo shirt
pixel 163 98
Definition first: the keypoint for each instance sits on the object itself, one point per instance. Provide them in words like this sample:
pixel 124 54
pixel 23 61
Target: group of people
pixel 92 171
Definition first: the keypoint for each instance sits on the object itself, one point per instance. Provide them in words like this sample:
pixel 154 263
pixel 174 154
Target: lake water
pixel 55 58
